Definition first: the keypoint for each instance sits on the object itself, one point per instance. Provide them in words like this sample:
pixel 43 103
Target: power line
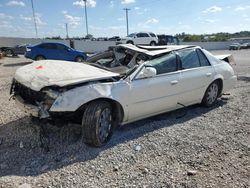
pixel 127 9
pixel 34 17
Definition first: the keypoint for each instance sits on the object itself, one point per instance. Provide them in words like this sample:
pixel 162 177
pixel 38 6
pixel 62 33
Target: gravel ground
pixel 208 147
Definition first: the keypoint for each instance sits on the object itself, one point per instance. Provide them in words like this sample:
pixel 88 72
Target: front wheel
pixel 97 123
pixel 39 57
pixel 79 59
pixel 211 94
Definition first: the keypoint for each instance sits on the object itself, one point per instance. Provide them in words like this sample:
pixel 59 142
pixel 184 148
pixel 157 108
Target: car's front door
pixel 149 96
pixel 196 75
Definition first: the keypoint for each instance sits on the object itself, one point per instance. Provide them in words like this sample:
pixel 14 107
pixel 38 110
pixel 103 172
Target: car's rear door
pixel 157 94
pixel 196 75
pixel 142 38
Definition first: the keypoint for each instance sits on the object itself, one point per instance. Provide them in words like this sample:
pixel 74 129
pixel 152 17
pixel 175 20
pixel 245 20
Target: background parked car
pixel 245 46
pixel 55 51
pixel 167 40
pixel 13 51
pixel 235 46
pixel 115 38
pixel 102 39
pixel 145 38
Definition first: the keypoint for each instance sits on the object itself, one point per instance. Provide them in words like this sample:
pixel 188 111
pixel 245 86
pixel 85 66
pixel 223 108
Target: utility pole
pixel 127 9
pixel 86 16
pixel 67 32
pixel 34 17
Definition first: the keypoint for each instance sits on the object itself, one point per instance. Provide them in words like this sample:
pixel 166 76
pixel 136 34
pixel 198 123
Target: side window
pixel 60 47
pixel 139 35
pixel 48 46
pixel 189 59
pixel 144 35
pixel 203 60
pixel 152 34
pixel 165 64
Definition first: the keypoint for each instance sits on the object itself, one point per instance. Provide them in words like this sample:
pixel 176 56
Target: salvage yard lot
pixel 192 147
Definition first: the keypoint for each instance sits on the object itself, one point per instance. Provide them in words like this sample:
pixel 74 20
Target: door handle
pixel 174 82
pixel 208 74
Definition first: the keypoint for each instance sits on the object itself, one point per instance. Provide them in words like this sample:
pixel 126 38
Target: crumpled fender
pixel 71 100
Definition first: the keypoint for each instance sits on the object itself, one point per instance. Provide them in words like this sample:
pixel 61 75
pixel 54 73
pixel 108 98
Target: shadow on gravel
pixel 244 78
pixel 17 64
pixel 22 155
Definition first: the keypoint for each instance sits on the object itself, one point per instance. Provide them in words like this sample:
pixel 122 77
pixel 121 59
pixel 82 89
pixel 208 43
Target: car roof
pixel 155 50
pixel 51 43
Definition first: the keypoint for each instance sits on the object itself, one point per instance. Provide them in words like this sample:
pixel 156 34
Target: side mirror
pixel 147 72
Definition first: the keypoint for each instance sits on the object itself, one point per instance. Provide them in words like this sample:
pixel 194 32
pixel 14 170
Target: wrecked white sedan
pixel 119 86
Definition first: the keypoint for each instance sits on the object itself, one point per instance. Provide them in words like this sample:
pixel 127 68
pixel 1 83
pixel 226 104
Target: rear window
pixel 61 47
pixel 203 60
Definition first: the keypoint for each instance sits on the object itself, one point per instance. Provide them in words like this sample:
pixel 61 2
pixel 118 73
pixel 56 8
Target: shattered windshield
pixel 118 60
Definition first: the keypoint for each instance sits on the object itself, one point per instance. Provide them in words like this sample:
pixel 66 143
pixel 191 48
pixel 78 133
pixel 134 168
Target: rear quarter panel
pixel 226 73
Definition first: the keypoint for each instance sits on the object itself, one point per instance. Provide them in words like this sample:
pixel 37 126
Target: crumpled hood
pixel 44 73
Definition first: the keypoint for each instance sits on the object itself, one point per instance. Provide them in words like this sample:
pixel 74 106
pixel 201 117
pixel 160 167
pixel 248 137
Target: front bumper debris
pixel 27 108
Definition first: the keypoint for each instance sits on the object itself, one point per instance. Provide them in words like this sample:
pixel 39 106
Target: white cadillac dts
pixel 123 84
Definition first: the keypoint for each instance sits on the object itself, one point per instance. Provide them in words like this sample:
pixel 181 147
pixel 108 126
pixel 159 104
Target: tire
pixel 39 57
pixel 97 123
pixel 9 52
pixel 211 94
pixel 79 59
pixel 152 43
pixel 130 42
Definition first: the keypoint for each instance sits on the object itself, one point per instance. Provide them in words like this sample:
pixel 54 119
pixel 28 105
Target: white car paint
pixel 137 39
pixel 139 98
pixel 44 73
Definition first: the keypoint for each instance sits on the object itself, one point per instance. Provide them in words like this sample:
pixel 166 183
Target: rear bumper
pixel 229 84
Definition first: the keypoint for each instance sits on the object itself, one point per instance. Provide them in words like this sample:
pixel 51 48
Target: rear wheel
pixel 39 57
pixel 211 94
pixel 97 123
pixel 79 59
pixel 153 43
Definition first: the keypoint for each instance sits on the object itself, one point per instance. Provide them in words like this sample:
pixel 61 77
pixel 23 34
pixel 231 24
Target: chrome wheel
pixel 105 124
pixel 212 93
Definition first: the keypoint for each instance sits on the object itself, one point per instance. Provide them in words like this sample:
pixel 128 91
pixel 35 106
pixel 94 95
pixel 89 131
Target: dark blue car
pixel 55 51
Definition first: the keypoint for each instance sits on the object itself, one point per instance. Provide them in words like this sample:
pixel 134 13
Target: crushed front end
pixel 34 103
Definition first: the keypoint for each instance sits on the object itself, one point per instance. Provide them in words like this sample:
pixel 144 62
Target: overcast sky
pixel 107 17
